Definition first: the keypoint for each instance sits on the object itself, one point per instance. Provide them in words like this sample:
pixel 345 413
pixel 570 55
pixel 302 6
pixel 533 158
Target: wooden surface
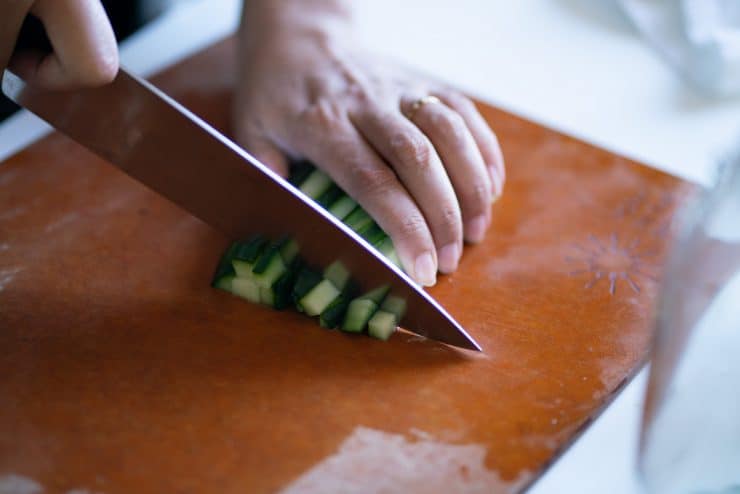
pixel 121 370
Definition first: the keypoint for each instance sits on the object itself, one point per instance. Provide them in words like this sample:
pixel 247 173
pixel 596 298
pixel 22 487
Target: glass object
pixel 690 441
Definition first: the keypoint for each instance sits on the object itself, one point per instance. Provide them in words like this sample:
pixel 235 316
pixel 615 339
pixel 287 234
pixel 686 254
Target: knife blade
pixel 136 127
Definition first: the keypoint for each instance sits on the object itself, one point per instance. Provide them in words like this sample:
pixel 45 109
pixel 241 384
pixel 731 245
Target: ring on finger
pixel 419 103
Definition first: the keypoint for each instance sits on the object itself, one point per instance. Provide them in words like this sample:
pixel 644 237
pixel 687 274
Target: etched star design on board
pixel 612 261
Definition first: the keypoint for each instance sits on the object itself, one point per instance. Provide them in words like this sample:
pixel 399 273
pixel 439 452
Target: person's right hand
pixel 84 47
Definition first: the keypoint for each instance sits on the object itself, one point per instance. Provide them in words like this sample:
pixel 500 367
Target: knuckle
pixel 413 225
pixel 452 125
pixel 478 197
pixel 324 114
pixel 449 219
pixel 373 180
pixel 412 149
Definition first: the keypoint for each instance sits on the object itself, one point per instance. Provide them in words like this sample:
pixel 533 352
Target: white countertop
pixel 574 65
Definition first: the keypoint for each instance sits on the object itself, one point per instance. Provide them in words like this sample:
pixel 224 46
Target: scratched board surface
pixel 121 370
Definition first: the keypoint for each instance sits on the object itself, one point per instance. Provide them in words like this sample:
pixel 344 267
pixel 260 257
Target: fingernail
pixel 448 257
pixel 425 270
pixel 476 229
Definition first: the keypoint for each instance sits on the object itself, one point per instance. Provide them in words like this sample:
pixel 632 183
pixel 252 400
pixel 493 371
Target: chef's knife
pixel 155 140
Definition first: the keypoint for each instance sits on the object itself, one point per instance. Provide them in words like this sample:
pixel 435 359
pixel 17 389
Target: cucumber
pixel 358 219
pixel 337 274
pixel 372 233
pixel 283 288
pixel 224 282
pixel 342 207
pixel 245 255
pixel 384 322
pixel 319 298
pixel 333 314
pixel 330 196
pixel 225 271
pixel 394 305
pixel 299 172
pixel 316 184
pixel 289 250
pixel 382 325
pixel 246 288
pixel 269 267
pixel 361 309
pixel 358 314
pixel 307 279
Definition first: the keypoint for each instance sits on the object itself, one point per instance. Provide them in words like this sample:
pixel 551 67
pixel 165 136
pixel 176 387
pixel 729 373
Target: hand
pixel 427 175
pixel 84 47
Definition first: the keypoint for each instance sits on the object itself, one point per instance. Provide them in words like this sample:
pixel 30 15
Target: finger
pixel 415 161
pixel 85 52
pixel 358 169
pixel 484 137
pixel 462 160
pixel 266 152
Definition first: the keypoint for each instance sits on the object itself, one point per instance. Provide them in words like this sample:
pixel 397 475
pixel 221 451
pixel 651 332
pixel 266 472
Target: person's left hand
pixel 427 173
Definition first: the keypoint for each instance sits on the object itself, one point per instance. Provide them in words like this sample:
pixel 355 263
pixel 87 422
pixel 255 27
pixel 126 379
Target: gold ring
pixel 416 105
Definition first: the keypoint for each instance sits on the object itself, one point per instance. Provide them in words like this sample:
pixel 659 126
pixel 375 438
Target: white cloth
pixel 700 38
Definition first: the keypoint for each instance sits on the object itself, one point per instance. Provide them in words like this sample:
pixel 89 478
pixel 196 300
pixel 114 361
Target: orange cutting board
pixel 122 371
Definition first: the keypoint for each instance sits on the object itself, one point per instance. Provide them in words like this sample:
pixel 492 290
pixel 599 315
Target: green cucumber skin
pixel 373 234
pixel 333 314
pixel 307 279
pixel 316 184
pixel 342 207
pixel 300 172
pixel 224 267
pixel 358 219
pixel 319 298
pixel 283 287
pixel 250 250
pixel 358 314
pixel 330 196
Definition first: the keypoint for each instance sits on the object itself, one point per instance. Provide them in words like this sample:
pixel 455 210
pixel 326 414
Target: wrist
pixel 266 22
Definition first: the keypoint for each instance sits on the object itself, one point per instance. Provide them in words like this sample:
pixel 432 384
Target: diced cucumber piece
pixel 372 233
pixel 337 274
pixel 243 269
pixel 307 279
pixel 359 312
pixel 299 172
pixel 289 250
pixel 330 196
pixel 358 219
pixel 315 184
pixel 250 250
pixel 245 255
pixel 319 298
pixel 224 282
pixel 267 296
pixel 342 207
pixel 246 288
pixel 382 325
pixel 394 305
pixel 282 289
pixel 376 295
pixel 332 315
pixel 224 267
pixel 269 267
